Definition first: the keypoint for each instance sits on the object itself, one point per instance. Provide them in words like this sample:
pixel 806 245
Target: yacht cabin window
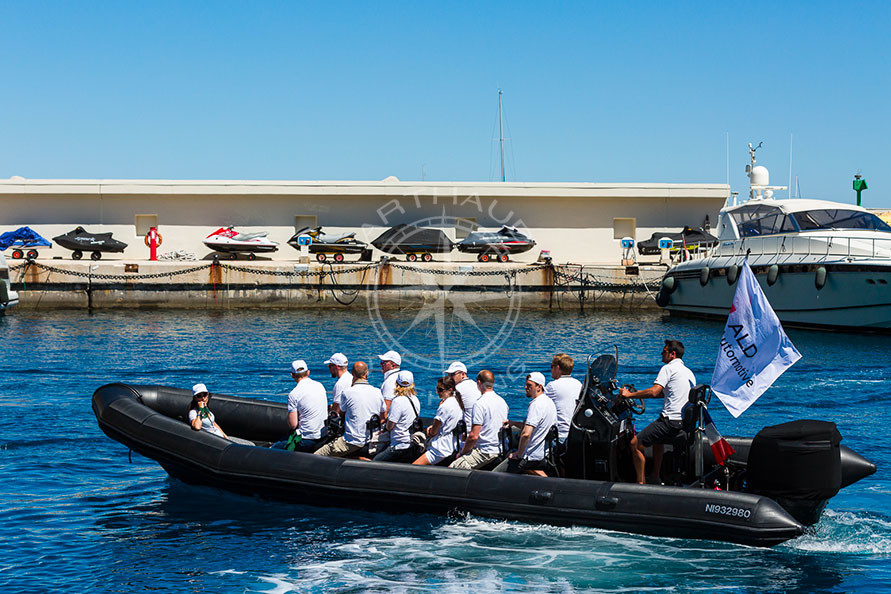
pixel 760 219
pixel 839 219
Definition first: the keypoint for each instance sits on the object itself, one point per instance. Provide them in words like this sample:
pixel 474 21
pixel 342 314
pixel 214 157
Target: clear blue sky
pixel 593 92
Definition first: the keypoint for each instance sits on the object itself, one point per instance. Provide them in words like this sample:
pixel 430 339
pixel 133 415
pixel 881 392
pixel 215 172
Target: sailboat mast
pixel 501 133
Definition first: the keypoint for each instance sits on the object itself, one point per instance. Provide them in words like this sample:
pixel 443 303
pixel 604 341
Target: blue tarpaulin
pixel 22 237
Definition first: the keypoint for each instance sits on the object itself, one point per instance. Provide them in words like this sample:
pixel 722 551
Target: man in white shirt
pixel 359 403
pixel 673 384
pixel 337 365
pixel 529 458
pixel 489 414
pixel 390 364
pixel 307 409
pixel 465 388
pixel 565 391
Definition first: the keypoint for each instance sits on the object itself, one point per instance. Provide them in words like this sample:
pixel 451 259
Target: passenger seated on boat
pixel 529 458
pixel 307 411
pixel 390 363
pixel 201 419
pixel 465 388
pixel 673 385
pixel 337 365
pixel 441 433
pixel 403 419
pixel 489 414
pixel 359 403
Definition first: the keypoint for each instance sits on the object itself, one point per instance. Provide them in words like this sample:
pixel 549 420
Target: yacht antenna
pixel 501 132
pixel 790 164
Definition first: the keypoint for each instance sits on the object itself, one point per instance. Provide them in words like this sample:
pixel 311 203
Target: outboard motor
pixel 601 428
pixel 798 464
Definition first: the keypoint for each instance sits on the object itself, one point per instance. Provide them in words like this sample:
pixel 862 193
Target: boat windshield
pixel 758 220
pixel 810 220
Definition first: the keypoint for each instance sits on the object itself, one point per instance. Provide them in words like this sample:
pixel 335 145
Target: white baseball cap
pixel 338 359
pixel 199 389
pixel 391 356
pixel 537 378
pixel 405 378
pixel 299 366
pixel 455 367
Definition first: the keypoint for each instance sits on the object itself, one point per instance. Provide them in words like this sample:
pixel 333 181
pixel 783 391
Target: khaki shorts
pixel 338 448
pixel 475 459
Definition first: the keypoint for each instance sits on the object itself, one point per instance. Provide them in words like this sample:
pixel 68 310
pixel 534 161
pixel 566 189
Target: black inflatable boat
pixel 151 421
pixel 79 240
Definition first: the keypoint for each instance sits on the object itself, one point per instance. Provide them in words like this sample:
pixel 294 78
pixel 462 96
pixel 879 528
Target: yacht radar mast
pixel 759 178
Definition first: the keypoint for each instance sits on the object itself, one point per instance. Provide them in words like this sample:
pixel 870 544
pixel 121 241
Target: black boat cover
pixel 403 238
pixel 23 237
pixel 81 239
pixel 689 236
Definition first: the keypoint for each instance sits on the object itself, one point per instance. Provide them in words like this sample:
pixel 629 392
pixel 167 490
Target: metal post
pixel 697 444
pixel 501 136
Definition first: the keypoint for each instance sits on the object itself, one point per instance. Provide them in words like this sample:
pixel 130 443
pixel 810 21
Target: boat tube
pixel 79 240
pixel 338 245
pixel 496 245
pixel 413 242
pixel 229 241
pixel 150 420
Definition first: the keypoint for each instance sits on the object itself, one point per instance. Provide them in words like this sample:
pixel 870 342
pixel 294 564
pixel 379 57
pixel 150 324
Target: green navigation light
pixel 859 186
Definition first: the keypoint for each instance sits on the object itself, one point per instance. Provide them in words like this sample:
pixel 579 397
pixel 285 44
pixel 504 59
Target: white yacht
pixel 8 297
pixel 821 264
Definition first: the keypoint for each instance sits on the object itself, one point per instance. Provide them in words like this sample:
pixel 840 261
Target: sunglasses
pixel 202 396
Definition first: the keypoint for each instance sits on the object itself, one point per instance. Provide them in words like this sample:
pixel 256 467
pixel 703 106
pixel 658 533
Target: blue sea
pixel 78 514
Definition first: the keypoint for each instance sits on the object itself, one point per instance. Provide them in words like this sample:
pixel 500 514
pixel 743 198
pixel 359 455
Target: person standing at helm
pixel 390 364
pixel 359 403
pixel 565 391
pixel 541 416
pixel 489 414
pixel 466 388
pixel 337 365
pixel 673 384
pixel 307 410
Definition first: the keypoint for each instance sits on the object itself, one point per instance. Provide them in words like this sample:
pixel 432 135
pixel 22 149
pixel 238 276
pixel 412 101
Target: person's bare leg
pixel 658 453
pixel 640 461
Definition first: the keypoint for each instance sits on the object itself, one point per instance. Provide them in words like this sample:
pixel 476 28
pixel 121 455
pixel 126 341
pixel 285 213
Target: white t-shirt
pixel 341 385
pixel 542 415
pixel 389 384
pixel 565 392
pixel 676 381
pixel 310 401
pixel 207 423
pixel 443 443
pixel 358 404
pixel 402 413
pixel 469 395
pixel 490 411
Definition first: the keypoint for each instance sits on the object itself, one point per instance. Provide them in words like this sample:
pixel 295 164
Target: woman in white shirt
pixel 201 419
pixel 442 443
pixel 404 409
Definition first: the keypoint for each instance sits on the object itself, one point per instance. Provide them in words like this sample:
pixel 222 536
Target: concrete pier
pixel 386 284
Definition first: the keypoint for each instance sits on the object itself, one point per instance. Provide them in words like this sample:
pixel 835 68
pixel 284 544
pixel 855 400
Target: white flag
pixel 754 349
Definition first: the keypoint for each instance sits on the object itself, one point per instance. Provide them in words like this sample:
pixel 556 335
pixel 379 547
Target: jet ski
pixel 229 241
pixel 414 242
pixel 693 238
pixel 80 240
pixel 324 244
pixel 23 238
pixel 497 245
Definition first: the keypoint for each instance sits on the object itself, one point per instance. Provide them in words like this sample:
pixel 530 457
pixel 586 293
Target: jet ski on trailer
pixel 229 241
pixel 79 240
pixel 324 244
pixel 776 485
pixel 413 242
pixel 496 245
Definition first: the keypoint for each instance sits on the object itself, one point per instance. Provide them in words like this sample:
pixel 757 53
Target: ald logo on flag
pixel 754 349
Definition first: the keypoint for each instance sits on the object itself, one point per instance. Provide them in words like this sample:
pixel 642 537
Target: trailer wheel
pixel 503 258
pixel 427 257
pixel 77 255
pixel 338 257
pixel 232 256
pixel 321 257
pixel 32 254
pixel 484 257
pixel 16 254
pixel 252 256
pixel 412 257
pixel 479 257
pixel 96 256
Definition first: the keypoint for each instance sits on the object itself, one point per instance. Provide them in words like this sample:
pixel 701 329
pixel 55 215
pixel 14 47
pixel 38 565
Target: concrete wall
pixel 573 221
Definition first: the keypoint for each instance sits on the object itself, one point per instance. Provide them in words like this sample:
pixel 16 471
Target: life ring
pixel 149 243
